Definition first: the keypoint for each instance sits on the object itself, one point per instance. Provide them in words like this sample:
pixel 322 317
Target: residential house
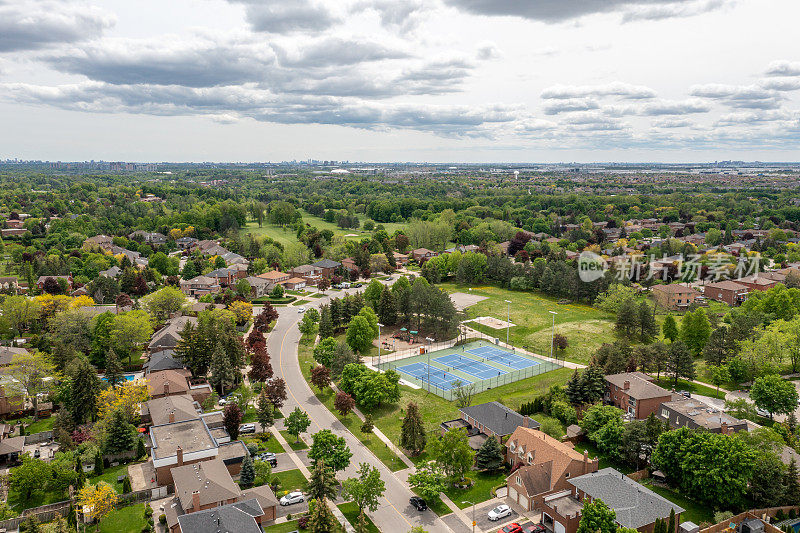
pixel 169 409
pixel 276 277
pixel 400 259
pixel 188 442
pixel 232 258
pixel 8 353
pixel 168 337
pixel 184 243
pixel 422 254
pixel 635 393
pixel 98 242
pixel 674 296
pixel 541 465
pixel 259 286
pixel 40 282
pixel 350 265
pixel 636 506
pixel 309 273
pixel 176 382
pixel 730 292
pixel 759 282
pixel 148 237
pixel 327 267
pixel 199 286
pixel 227 277
pixel 112 272
pixel 163 360
pixel 13 232
pixel 10 403
pixel 488 419
pixel 11 449
pixel 294 284
pixel 239 517
pixel 695 414
pixel 9 284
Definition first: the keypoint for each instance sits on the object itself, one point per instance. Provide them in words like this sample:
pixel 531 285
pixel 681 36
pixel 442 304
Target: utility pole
pixel 508 319
pixel 553 335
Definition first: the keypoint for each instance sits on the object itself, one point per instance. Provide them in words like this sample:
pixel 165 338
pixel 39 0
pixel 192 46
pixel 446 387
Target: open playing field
pixel 479 363
pixel 585 327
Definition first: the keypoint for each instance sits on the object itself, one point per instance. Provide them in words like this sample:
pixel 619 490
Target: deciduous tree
pixel 297 422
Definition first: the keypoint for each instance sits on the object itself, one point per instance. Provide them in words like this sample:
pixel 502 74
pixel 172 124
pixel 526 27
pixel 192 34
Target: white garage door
pixel 523 501
pixel 512 493
pixel 558 527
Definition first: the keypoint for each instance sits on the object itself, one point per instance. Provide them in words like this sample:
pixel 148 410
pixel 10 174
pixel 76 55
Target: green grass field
pixel 350 511
pixel 126 520
pixel 585 327
pixel 290 480
pixel 294 443
pixel 286 527
pixel 110 476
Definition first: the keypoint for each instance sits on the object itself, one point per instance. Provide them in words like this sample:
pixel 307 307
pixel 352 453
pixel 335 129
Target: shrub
pixel 162 518
pixel 302 522
pixel 551 427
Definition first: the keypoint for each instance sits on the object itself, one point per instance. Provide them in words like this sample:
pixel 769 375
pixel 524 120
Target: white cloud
pixel 619 89
pixel 32 25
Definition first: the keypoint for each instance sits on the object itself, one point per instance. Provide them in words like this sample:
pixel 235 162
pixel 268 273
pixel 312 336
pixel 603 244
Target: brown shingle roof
pixel 639 389
pixel 210 479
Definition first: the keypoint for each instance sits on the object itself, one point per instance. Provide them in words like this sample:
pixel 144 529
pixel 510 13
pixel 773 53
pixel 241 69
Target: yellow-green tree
pixel 97 500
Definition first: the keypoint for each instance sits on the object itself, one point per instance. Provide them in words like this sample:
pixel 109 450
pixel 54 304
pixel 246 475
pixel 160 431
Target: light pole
pixel 508 319
pixel 553 336
pixel 473 514
pixel 379 345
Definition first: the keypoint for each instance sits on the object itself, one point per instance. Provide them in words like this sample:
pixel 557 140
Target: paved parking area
pixel 285 462
pixel 462 300
pixel 455 523
pixel 294 509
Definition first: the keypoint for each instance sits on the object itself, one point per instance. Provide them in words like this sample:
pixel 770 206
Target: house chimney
pixel 179 454
pixel 196 500
pixel 525 421
pixel 171 417
pixel 166 388
pixel 724 428
pixel 585 461
pixel 626 385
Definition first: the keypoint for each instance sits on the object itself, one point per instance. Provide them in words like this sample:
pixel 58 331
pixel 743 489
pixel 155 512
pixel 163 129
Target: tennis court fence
pixel 480 385
pixel 472 335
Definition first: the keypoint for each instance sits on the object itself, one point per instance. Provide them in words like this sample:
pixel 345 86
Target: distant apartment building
pixel 674 296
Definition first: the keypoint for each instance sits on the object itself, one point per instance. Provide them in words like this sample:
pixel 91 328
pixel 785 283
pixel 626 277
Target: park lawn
pixel 110 475
pixel 286 527
pixel 283 235
pixel 694 512
pixel 351 421
pixel 36 499
pixel 694 388
pixel 586 328
pixel 350 511
pixel 703 371
pixel 294 444
pixel 126 520
pixel 290 480
pixel 481 489
pixel 322 224
pixel 41 425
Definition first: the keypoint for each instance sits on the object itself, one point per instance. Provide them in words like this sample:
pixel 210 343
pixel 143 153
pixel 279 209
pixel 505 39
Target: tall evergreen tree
pixel 792 487
pixel 248 472
pixel 387 309
pixel 265 412
pixel 671 524
pixel 322 483
pixel 670 328
pixel 120 434
pixel 223 375
pixel 680 363
pixel 321 519
pixel 412 432
pixel 574 389
pixel 325 322
pixel 647 322
pixel 490 455
pixel 114 375
pixel 627 317
pixel 84 388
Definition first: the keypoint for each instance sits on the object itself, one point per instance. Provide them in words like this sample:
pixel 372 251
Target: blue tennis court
pixel 469 366
pixel 435 376
pixel 503 357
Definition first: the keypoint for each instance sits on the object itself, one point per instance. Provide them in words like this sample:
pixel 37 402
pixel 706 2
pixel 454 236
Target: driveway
pixel 394 513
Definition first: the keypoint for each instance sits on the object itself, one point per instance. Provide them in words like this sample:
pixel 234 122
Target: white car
pixel 293 497
pixel 301 309
pixel 762 412
pixel 501 511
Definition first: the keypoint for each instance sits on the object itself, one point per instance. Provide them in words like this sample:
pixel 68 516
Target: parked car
pixel 357 284
pixel 762 412
pixel 533 528
pixel 247 428
pixel 501 511
pixel 685 393
pixel 268 457
pixel 418 503
pixel 301 309
pixel 37 453
pixel 512 528
pixel 292 498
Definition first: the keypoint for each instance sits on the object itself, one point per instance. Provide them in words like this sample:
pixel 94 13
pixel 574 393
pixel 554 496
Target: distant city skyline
pixel 437 81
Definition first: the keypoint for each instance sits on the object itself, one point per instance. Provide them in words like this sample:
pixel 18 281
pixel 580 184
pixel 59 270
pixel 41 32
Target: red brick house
pixel 730 292
pixel 635 394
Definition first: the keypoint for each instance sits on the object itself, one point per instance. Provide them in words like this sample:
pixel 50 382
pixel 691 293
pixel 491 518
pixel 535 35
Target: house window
pixel 519 480
pixel 665 414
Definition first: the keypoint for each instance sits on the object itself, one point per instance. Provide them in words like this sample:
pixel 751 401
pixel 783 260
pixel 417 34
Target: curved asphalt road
pixel 395 514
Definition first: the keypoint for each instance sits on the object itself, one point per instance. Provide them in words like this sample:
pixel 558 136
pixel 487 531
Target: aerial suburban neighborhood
pixel 399 266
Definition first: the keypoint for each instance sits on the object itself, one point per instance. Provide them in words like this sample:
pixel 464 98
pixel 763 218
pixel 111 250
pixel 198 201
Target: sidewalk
pixel 456 510
pixel 336 511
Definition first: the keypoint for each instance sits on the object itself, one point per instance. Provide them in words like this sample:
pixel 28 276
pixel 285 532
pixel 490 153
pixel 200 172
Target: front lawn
pixel 36 499
pixel 481 489
pixel 126 520
pixel 286 527
pixel 296 446
pixel 290 480
pixel 41 425
pixel 350 511
pixel 269 445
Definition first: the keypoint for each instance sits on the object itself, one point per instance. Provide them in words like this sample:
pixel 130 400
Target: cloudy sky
pixel 400 80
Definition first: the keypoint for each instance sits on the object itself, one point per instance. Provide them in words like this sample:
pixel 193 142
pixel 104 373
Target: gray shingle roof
pixel 327 263
pixel 237 517
pixel 497 417
pixel 635 505
pixel 163 360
